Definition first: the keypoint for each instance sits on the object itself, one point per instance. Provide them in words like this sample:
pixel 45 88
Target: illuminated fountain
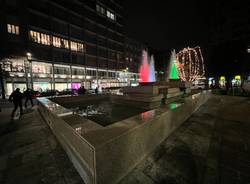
pixel 107 135
pixel 147 68
pixel 173 70
pixel 148 94
pixel 152 69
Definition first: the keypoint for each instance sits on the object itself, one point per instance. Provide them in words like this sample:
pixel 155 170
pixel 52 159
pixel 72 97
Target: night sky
pixel 167 24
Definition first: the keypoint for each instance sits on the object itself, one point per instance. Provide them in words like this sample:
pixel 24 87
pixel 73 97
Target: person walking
pixel 28 97
pixel 16 97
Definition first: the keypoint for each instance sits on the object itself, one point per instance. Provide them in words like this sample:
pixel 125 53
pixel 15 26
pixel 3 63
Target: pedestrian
pixel 16 97
pixel 28 97
pixel 96 90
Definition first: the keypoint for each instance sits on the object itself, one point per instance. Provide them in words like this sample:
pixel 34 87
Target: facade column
pixel 97 79
pixel 71 80
pixel 31 75
pixel 26 74
pixel 53 76
pixel 12 84
pixel 85 76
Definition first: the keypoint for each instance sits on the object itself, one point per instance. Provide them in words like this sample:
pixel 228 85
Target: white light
pixel 28 54
pixel 248 50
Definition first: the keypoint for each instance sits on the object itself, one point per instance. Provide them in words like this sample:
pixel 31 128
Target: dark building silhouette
pixel 230 38
pixel 68 42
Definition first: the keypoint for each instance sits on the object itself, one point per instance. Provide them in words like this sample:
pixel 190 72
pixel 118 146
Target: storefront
pixel 42 76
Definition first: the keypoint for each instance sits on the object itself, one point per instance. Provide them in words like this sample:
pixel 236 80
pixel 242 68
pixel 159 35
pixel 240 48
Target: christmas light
pixel 190 64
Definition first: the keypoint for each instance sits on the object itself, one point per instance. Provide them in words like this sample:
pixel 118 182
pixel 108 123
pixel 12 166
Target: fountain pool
pixel 103 111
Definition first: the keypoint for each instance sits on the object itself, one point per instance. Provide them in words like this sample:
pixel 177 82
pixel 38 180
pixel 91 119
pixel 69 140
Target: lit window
pixel 39 37
pixel 9 28
pixel 110 15
pixel 13 29
pixel 73 46
pixel 17 30
pixel 56 42
pixel 64 43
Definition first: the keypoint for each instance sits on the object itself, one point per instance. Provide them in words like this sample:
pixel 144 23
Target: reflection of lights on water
pixel 147 115
pixel 78 130
pixel 174 105
pixel 194 96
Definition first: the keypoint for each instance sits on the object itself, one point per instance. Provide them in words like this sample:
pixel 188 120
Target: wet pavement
pixel 30 153
pixel 212 146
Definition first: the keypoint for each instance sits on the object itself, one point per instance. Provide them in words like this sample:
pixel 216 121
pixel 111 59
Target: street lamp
pixel 28 54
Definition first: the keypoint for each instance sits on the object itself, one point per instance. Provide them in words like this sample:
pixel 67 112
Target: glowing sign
pixel 222 78
pixel 237 77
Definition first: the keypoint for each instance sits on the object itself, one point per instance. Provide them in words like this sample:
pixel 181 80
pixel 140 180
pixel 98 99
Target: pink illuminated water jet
pixel 147 71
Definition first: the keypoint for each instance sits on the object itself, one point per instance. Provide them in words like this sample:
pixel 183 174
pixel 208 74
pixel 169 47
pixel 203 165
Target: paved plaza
pixel 212 146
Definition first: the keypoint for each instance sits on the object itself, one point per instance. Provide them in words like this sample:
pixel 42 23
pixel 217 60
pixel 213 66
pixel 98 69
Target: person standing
pixel 16 97
pixel 28 97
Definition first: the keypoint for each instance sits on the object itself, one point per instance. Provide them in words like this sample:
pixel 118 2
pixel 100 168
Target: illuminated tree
pixel 190 64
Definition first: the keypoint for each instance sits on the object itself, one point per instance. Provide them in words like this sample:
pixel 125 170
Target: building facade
pixel 59 44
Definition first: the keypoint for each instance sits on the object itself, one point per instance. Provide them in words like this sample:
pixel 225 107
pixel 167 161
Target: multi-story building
pixel 59 44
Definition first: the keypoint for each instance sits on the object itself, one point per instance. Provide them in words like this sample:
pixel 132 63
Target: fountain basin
pixel 107 154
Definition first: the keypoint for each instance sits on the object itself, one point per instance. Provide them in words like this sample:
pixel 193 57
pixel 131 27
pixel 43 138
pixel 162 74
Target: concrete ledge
pixel 107 154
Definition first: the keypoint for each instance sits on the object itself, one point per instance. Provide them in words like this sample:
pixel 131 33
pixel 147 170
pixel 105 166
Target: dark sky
pixel 167 24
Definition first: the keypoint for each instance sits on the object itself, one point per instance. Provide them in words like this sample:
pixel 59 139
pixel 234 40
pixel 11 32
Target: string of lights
pixel 190 63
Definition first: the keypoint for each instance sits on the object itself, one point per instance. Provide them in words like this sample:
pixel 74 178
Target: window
pixel 56 42
pixel 110 15
pixel 64 43
pixel 39 37
pixel 103 11
pixel 60 42
pixel 75 46
pixel 13 29
pixel 100 9
pixel 45 39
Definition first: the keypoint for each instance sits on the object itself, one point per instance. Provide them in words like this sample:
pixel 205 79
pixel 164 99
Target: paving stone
pixel 3 162
pixel 212 146
pixel 28 152
pixel 207 149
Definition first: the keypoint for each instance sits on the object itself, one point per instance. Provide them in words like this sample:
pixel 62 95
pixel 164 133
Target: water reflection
pixel 90 110
pixel 104 112
pixel 147 115
pixel 174 105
